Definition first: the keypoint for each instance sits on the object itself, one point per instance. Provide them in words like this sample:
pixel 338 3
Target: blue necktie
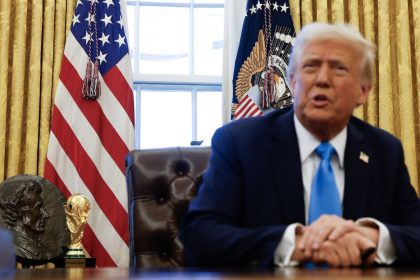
pixel 324 194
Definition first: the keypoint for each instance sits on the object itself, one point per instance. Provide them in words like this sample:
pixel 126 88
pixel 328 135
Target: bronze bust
pixel 33 209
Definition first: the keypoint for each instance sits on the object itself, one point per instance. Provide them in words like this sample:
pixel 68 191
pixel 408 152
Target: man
pixel 259 203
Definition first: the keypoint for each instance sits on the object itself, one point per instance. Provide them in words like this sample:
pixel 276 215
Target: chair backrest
pixel 161 184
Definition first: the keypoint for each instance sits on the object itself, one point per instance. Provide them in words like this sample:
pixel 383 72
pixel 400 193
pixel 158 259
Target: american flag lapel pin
pixel 364 157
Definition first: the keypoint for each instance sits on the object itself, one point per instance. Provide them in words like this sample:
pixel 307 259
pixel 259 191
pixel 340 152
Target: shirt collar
pixel 308 142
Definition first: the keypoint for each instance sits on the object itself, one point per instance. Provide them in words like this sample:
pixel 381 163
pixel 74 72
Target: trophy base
pixel 76 262
pixel 76 258
pixel 74 253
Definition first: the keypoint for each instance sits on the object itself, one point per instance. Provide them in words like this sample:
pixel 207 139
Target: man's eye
pixel 341 68
pixel 341 71
pixel 309 67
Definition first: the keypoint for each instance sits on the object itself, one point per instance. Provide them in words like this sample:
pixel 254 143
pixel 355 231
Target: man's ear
pixel 364 93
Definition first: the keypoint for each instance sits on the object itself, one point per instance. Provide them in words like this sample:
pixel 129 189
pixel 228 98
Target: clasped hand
pixel 335 241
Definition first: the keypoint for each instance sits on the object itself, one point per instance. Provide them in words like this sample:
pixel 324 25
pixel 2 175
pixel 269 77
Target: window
pixel 176 50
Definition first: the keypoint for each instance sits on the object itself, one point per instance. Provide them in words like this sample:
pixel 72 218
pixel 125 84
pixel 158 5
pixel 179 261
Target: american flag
pixel 247 108
pixel 90 138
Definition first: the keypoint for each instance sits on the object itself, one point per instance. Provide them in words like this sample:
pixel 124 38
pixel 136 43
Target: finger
pixel 309 243
pixel 306 241
pixel 317 257
pixel 307 248
pixel 340 230
pixel 356 245
pixel 302 241
pixel 342 254
pixel 310 233
pixel 354 254
pixel 319 231
pixel 329 254
pixel 372 233
pixel 320 235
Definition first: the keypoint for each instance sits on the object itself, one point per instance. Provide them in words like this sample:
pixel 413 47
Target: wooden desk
pixel 225 274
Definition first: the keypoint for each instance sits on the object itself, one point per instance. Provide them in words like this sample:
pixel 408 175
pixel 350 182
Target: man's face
pixel 327 85
pixel 33 213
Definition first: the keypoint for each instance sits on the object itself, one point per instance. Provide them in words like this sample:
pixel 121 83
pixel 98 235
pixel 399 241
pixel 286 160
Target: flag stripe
pixel 243 105
pixel 49 168
pixel 90 175
pixel 248 108
pixel 92 144
pixel 70 180
pixel 93 112
pixel 118 114
pixel 118 85
pixel 95 247
pixel 255 112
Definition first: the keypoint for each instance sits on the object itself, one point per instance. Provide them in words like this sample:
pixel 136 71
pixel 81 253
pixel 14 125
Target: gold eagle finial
pixel 255 63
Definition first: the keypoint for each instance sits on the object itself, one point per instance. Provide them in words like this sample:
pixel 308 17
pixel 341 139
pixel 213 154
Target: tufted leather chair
pixel 161 184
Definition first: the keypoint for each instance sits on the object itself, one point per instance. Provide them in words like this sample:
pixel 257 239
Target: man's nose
pixel 323 78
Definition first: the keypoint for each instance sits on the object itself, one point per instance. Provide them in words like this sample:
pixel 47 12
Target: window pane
pixel 165 118
pixel 212 1
pixel 209 114
pixel 168 1
pixel 208 45
pixel 164 40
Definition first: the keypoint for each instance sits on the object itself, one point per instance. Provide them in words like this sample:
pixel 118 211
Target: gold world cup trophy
pixel 77 212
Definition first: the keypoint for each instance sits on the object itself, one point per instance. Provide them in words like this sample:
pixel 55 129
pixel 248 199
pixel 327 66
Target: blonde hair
pixel 343 32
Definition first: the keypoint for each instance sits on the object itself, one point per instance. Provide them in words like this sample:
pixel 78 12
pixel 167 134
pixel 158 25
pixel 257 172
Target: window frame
pixel 194 88
pixel 170 82
pixel 169 78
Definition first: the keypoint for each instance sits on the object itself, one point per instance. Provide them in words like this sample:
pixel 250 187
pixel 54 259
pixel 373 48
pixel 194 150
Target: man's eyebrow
pixel 311 56
pixel 311 59
pixel 333 60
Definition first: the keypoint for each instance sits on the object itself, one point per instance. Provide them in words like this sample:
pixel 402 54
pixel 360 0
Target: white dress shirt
pixel 307 142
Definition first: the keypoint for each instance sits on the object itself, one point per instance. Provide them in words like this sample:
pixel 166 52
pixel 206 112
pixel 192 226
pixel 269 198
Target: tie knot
pixel 325 150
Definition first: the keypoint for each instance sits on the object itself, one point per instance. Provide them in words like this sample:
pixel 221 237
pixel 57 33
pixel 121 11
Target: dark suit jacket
pixel 253 190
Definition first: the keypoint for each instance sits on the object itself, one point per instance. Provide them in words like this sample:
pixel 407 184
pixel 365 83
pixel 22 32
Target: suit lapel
pixel 357 164
pixel 286 168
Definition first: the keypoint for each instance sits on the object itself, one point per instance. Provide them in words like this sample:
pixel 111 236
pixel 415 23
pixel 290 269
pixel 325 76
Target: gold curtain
pixel 32 37
pixel 394 27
